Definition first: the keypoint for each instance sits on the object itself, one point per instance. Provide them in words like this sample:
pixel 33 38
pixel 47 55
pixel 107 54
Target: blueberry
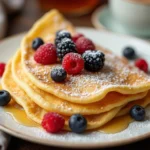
pixel 37 42
pixel 77 123
pixel 4 97
pixel 137 112
pixel 129 53
pixel 58 74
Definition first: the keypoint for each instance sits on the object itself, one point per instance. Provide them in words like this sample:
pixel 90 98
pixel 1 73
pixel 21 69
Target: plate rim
pixel 64 144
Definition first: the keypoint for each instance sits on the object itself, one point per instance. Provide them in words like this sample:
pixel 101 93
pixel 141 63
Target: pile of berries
pixel 74 52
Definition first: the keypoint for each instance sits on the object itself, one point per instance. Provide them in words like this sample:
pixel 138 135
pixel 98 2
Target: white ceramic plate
pixel 135 131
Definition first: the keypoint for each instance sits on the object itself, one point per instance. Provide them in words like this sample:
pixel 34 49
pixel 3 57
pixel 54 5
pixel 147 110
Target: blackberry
pixel 61 34
pixel 65 46
pixel 93 60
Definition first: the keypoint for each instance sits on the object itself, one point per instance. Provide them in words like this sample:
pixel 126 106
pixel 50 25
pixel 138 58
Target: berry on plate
pixel 84 44
pixel 61 35
pixel 53 122
pixel 37 42
pixel 58 74
pixel 77 36
pixel 2 68
pixel 65 46
pixel 4 97
pixel 129 53
pixel 77 123
pixel 46 54
pixel 142 65
pixel 93 60
pixel 73 63
pixel 137 112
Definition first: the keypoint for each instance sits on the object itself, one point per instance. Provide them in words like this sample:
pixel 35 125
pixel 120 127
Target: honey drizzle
pixel 20 116
pixel 115 125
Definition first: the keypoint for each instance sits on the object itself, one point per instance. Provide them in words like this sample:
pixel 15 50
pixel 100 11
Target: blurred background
pixel 21 14
pixel 121 16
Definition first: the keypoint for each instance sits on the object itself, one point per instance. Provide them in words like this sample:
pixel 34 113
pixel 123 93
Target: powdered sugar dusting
pixel 115 73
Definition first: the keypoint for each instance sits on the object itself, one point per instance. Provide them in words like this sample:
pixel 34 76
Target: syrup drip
pixel 115 125
pixel 20 116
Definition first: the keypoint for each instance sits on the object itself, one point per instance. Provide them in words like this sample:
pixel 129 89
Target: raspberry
pixel 65 46
pixel 53 122
pixel 2 68
pixel 84 44
pixel 94 60
pixel 46 54
pixel 77 36
pixel 142 65
pixel 73 63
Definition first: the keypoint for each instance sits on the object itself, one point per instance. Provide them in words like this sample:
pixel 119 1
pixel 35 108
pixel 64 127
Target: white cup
pixel 133 15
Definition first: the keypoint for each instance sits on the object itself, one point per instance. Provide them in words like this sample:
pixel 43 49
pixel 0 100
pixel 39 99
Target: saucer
pixel 103 19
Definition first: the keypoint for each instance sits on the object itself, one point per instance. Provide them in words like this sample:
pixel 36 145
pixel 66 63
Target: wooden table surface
pixel 22 22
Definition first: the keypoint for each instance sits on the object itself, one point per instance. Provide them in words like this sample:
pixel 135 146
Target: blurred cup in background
pixel 133 15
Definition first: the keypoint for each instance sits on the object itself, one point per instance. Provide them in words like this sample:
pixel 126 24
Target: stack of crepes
pixel 98 96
